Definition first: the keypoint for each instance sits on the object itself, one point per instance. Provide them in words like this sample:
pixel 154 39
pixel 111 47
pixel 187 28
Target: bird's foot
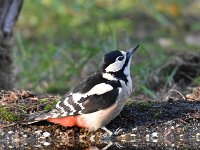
pixel 119 131
pixel 110 133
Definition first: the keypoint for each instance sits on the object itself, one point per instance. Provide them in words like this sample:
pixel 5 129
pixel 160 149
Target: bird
pixel 98 98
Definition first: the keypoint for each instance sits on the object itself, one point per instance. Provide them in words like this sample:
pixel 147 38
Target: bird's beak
pixel 130 52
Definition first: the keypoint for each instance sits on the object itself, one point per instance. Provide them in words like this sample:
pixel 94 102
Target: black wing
pixel 97 102
pixel 88 83
pixel 68 106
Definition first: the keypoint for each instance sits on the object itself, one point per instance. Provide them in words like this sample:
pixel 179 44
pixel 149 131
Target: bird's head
pixel 117 62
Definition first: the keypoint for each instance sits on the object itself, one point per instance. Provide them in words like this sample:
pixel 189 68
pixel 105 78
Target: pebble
pixel 46 143
pixel 2 133
pixel 11 146
pixel 154 134
pixel 38 131
pixel 147 137
pixel 38 146
pixel 155 140
pixel 10 132
pixel 16 140
pixel 132 134
pixel 135 129
pixel 25 135
pixel 46 134
pixel 198 137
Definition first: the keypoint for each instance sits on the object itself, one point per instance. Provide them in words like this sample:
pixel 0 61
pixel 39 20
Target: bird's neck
pixel 115 76
pixel 109 76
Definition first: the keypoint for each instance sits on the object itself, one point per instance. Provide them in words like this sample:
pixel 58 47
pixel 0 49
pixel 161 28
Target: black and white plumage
pixel 97 99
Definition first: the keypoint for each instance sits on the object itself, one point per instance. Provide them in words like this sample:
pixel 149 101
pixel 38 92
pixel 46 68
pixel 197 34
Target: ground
pixel 172 120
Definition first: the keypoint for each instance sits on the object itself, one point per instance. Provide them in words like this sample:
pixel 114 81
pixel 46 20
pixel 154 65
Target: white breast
pixel 100 118
pixel 125 91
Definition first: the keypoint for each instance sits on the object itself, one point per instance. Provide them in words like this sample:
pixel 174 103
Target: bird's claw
pixel 119 131
pixel 118 145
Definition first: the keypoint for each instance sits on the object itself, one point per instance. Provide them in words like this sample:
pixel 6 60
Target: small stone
pixel 2 133
pixel 135 129
pixel 25 135
pixel 10 132
pixel 198 137
pixel 132 134
pixel 147 137
pixel 38 146
pixel 46 143
pixel 46 134
pixel 38 131
pixel 155 140
pixel 11 146
pixel 16 140
pixel 29 129
pixel 154 134
pixel 57 131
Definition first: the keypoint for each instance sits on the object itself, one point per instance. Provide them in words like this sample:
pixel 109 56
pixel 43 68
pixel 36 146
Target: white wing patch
pixel 100 89
pixel 97 89
pixel 76 97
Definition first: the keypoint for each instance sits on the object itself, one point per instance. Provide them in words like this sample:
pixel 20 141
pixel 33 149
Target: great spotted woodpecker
pixel 99 98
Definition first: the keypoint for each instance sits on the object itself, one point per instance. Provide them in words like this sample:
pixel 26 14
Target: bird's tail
pixel 35 117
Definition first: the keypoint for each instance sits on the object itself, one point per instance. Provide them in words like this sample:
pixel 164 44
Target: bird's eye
pixel 120 58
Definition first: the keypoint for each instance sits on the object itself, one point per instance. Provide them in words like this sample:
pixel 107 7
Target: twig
pixel 9 125
pixel 178 93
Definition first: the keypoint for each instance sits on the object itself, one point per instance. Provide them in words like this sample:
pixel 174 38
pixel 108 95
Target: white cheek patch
pixel 114 67
pixel 117 65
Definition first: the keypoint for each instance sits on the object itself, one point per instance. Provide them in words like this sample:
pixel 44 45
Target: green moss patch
pixel 7 115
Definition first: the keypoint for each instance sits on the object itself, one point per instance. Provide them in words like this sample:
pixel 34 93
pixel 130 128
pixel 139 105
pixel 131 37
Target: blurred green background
pixel 60 42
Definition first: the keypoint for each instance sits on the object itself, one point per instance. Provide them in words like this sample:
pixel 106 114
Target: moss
pixel 43 100
pixel 6 115
pixel 50 105
pixel 143 105
pixel 158 114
